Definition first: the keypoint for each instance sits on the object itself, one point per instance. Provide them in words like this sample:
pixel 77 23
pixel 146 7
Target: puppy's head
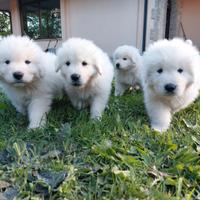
pixel 126 57
pixel 19 61
pixel 79 61
pixel 169 67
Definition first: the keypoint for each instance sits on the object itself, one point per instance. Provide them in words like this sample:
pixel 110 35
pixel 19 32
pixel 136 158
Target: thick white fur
pixel 127 74
pixel 34 93
pixel 95 77
pixel 171 56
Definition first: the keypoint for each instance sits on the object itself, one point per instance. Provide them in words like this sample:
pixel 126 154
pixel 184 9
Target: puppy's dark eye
pixel 84 63
pixel 180 70
pixel 160 70
pixel 68 63
pixel 27 62
pixel 7 62
pixel 124 58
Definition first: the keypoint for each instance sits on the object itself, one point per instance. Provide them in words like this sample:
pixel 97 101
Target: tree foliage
pixel 5 23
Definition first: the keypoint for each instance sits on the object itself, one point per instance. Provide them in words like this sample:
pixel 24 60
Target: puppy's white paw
pixel 118 93
pixel 137 87
pixel 95 117
pixel 21 109
pixel 37 123
pixel 159 128
pixel 79 104
pixel 32 126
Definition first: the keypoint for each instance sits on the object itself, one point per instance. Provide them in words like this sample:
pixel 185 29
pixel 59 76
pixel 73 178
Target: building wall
pixel 156 22
pixel 13 7
pixel 15 17
pixel 5 4
pixel 187 13
pixel 190 16
pixel 175 18
pixel 108 23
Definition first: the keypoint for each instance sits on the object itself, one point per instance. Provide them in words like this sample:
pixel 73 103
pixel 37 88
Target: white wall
pixel 108 23
pixel 190 17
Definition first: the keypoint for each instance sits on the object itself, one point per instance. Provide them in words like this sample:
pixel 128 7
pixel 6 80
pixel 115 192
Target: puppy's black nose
pixel 170 87
pixel 117 65
pixel 75 77
pixel 18 75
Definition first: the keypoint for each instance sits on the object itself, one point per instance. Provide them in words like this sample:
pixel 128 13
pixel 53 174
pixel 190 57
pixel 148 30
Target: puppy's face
pixel 123 62
pixel 78 72
pixel 19 63
pixel 78 62
pixel 126 57
pixel 170 67
pixel 169 78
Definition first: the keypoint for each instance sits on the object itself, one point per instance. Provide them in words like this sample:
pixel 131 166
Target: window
pixel 41 18
pixel 5 23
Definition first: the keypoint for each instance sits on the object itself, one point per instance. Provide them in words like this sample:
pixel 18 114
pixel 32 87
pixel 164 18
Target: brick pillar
pixel 157 21
pixel 15 17
pixel 175 18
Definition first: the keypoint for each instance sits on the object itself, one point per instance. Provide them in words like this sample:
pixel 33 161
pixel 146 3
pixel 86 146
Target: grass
pixel 119 157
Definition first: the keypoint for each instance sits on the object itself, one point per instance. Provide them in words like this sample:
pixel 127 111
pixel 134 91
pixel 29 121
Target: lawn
pixel 119 157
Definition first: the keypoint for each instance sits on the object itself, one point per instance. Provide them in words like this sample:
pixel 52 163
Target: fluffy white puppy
pixel 170 77
pixel 28 77
pixel 127 61
pixel 88 74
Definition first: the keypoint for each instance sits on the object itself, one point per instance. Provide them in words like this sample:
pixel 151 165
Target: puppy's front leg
pixel 37 111
pixel 20 108
pixel 19 105
pixel 160 116
pixel 120 88
pixel 77 103
pixel 97 107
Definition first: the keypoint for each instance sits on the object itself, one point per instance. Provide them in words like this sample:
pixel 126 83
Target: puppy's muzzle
pixel 75 79
pixel 170 88
pixel 18 76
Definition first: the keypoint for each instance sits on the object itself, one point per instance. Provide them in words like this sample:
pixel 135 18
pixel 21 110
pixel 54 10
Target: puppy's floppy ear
pixel 39 67
pixel 41 73
pixel 97 65
pixel 58 65
pixel 132 60
pixel 98 68
pixel 135 57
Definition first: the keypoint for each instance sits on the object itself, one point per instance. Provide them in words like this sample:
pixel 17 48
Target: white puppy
pixel 127 61
pixel 170 77
pixel 88 73
pixel 28 77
